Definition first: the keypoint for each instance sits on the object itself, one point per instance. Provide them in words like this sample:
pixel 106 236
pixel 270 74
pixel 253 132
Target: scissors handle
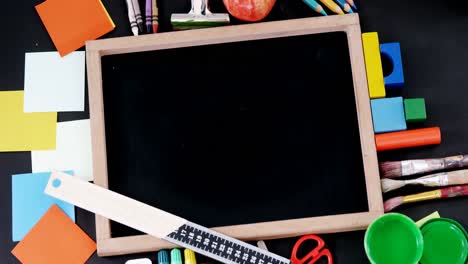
pixel 317 253
pixel 324 253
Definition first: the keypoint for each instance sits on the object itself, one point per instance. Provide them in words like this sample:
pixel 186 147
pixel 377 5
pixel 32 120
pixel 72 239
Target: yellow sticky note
pixel 427 218
pixel 375 78
pixel 21 131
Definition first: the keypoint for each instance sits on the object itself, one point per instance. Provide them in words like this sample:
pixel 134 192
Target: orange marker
pixel 408 138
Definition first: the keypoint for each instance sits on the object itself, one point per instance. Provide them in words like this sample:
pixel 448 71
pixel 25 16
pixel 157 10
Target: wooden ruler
pixel 156 222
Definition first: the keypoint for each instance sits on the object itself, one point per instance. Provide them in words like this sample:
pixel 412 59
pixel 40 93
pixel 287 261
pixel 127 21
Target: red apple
pixel 249 10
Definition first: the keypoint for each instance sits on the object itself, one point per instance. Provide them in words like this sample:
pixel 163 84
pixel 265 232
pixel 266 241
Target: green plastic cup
pixel 445 241
pixel 393 238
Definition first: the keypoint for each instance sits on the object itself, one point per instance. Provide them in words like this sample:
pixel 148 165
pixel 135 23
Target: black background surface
pixel 433 36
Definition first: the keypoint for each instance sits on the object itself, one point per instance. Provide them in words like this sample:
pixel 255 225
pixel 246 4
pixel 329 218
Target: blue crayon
pixel 315 6
pixel 345 6
pixel 351 3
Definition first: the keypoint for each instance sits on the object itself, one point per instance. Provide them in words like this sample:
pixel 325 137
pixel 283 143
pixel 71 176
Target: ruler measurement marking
pixel 221 248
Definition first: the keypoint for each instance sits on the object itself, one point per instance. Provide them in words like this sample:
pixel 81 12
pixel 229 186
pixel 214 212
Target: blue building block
pixel 392 51
pixel 388 114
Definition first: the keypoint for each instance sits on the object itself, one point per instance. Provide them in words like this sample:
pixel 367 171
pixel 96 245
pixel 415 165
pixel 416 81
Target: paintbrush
pixel 198 17
pixel 460 190
pixel 433 180
pixel 393 169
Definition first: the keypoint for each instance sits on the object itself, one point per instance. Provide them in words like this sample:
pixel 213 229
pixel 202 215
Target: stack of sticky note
pixel 29 118
pixel 29 123
pixel 390 115
pixel 53 82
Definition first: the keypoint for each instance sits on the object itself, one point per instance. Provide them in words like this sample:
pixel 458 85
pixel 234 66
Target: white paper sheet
pixel 73 151
pixel 53 83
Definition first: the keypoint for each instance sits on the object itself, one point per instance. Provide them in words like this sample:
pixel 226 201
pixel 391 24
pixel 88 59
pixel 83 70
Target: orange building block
pixel 408 138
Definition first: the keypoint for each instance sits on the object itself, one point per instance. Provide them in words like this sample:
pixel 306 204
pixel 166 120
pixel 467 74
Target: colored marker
pixel 345 6
pixel 351 3
pixel 189 256
pixel 315 6
pixel 332 6
pixel 163 257
pixel 149 16
pixel 176 256
pixel 139 261
pixel 138 16
pixel 155 16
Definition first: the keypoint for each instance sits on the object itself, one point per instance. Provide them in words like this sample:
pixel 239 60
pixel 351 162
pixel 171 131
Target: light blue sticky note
pixel 30 203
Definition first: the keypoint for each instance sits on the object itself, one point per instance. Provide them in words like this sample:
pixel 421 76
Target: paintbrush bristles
pixel 390 185
pixel 390 169
pixel 393 203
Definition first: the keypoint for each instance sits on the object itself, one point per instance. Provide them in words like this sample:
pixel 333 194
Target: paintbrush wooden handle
pixel 454 191
pixel 455 161
pixel 457 177
pixel 449 192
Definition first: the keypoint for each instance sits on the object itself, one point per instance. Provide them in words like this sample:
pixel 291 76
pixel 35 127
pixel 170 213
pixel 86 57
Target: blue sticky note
pixel 388 114
pixel 30 203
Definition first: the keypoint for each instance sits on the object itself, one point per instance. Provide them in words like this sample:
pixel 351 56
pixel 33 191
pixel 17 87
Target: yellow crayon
pixel 332 6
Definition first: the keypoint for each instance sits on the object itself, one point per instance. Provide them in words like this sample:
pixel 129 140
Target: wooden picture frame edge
pixel 108 246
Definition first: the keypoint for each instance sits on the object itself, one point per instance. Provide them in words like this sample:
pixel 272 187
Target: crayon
pixel 332 6
pixel 149 16
pixel 345 6
pixel 155 15
pixel 131 17
pixel 315 6
pixel 351 3
pixel 138 16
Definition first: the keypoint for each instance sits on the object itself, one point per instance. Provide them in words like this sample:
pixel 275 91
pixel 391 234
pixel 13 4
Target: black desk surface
pixel 433 40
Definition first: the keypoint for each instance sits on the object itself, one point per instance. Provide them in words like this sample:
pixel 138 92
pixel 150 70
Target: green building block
pixel 415 110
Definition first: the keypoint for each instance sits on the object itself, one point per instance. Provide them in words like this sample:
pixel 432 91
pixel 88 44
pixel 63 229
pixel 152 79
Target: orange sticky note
pixel 71 23
pixel 55 239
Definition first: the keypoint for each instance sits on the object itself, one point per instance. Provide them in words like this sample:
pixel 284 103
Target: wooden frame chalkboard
pixel 108 245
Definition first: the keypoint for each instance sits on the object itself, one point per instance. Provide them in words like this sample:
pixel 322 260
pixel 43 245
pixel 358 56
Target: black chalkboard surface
pixel 236 133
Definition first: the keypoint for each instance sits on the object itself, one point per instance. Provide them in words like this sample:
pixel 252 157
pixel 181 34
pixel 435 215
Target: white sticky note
pixel 73 151
pixel 53 83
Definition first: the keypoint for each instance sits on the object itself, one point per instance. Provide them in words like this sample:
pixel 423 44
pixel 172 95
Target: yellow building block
pixel 375 78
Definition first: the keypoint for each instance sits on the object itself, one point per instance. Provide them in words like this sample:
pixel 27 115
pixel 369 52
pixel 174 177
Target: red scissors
pixel 313 256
